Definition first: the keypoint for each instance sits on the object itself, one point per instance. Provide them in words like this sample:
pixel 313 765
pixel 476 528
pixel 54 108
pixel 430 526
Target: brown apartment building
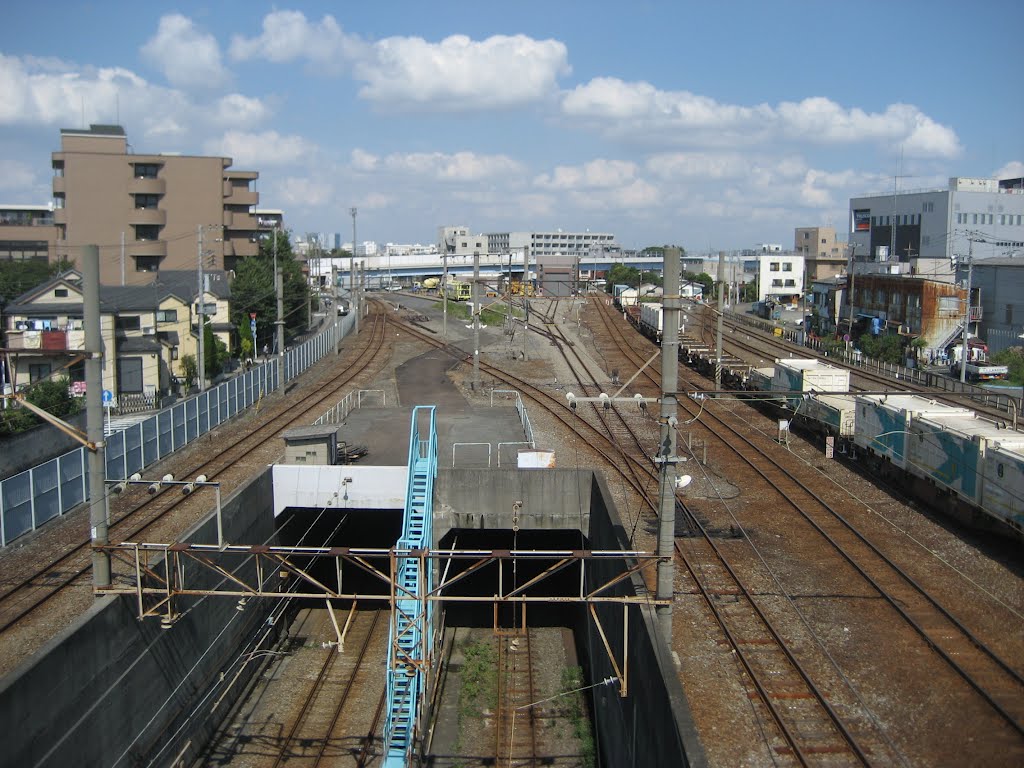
pixel 147 213
pixel 824 256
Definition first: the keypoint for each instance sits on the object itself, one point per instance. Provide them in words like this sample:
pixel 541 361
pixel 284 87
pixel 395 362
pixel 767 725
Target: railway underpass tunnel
pixel 363 528
pixel 605 649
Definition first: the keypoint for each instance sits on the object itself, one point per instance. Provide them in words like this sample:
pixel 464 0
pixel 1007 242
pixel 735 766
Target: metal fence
pixel 32 497
pixel 1001 401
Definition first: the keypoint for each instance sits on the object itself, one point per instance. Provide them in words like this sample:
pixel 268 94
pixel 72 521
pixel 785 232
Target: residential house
pixel 146 330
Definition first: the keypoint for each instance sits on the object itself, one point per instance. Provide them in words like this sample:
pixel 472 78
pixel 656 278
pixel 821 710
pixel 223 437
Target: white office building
pixel 918 232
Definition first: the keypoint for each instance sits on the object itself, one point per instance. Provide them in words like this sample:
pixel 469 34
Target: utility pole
pixel 357 299
pixel 476 320
pixel 201 310
pixel 98 512
pixel 721 314
pixel 667 451
pixel 280 329
pixel 853 264
pixel 444 292
pixel 967 314
pixel 526 296
pixel 352 288
pixel 334 293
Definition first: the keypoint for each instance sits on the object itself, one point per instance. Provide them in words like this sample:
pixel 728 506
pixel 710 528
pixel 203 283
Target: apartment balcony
pixel 147 247
pixel 148 216
pixel 42 342
pixel 239 195
pixel 239 220
pixel 147 186
pixel 59 185
pixel 60 216
pixel 241 247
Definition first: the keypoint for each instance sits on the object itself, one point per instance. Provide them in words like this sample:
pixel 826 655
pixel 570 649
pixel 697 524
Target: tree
pixel 888 348
pixel 1013 359
pixel 215 353
pixel 189 370
pixel 705 280
pixel 17 277
pixel 253 290
pixel 52 395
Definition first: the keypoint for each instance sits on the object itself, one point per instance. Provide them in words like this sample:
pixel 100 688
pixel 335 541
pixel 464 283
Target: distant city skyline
pixel 709 126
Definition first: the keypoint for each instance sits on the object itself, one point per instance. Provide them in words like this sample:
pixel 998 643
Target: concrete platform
pixel 461 427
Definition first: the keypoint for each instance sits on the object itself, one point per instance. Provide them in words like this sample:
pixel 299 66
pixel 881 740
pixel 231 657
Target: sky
pixel 709 125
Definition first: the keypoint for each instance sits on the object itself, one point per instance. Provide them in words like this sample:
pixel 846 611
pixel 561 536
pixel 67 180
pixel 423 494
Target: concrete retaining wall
pixel 115 691
pixel 654 721
pixel 486 498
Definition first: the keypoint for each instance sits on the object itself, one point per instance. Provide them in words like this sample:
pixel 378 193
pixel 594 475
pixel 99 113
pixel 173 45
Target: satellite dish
pixel 682 481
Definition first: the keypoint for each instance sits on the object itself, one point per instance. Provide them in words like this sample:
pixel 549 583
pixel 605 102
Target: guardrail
pixel 37 495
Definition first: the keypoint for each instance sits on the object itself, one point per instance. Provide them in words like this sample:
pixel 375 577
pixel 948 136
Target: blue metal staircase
pixel 412 613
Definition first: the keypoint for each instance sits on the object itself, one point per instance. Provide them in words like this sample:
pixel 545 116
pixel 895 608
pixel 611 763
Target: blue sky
pixel 711 125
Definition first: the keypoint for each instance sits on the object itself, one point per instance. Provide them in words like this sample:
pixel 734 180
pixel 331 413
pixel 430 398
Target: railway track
pixel 752 344
pixel 314 737
pixel 25 594
pixel 990 677
pixel 515 720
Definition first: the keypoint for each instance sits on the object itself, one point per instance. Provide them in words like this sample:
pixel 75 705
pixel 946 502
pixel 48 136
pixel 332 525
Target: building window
pixel 147 231
pixel 773 267
pixel 146 201
pixel 807 236
pixel 147 263
pixel 174 353
pixel 129 374
pixel 167 315
pixel 777 282
pixel 790 282
pixel 787 266
pixel 146 170
pixel 38 372
pixel 1009 316
pixel 127 322
pixel 60 293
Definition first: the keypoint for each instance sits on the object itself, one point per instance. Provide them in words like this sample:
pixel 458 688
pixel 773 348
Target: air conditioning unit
pixel 149 331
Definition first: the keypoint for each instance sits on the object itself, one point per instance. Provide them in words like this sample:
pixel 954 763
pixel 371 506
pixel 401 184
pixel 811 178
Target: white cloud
pixel 699 165
pixel 641 112
pixel 1012 170
pixel 364 161
pixel 596 173
pixel 304 192
pixel 53 92
pixel 15 174
pixel 460 166
pixel 268 148
pixel 188 57
pixel 288 35
pixel 236 109
pixel 460 74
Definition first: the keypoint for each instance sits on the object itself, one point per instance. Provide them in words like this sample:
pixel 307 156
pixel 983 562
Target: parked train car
pixel 948 456
pixel 968 466
pixel 651 318
pixel 457 290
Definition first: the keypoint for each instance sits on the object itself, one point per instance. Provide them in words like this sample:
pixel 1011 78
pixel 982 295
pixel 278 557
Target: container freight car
pixel 963 464
pixel 947 456
pixel 651 318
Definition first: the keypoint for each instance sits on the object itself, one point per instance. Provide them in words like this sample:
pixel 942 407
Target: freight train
pixel 951 458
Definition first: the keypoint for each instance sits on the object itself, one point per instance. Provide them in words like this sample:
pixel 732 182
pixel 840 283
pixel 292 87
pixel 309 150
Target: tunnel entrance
pixel 372 528
pixel 512 574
